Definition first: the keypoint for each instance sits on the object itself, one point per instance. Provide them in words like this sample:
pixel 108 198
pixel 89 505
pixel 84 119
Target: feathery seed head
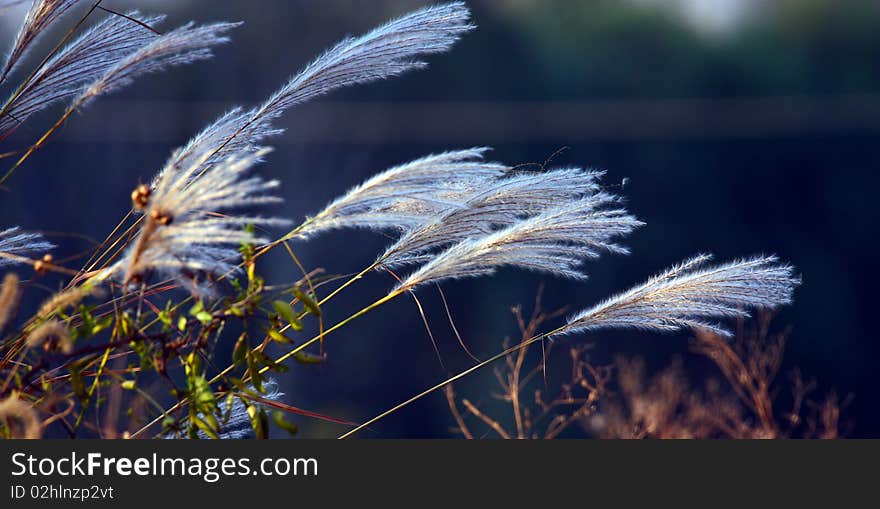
pixel 69 298
pixel 16 246
pixel 386 51
pixel 686 296
pixel 52 335
pixel 407 196
pixel 193 222
pixel 82 61
pixel 20 417
pixel 8 299
pixel 184 45
pixel 497 204
pixel 41 15
pixel 555 241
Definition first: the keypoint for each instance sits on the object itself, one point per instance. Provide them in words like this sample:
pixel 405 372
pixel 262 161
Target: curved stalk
pixel 448 381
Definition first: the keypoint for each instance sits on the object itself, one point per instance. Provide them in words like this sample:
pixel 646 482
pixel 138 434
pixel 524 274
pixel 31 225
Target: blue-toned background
pixel 742 126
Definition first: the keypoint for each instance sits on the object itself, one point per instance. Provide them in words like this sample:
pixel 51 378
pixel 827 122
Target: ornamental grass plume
pixel 184 45
pixel 69 298
pixel 82 61
pixel 555 241
pixel 500 203
pixel 16 246
pixel 42 15
pixel 386 51
pixel 455 214
pixel 102 60
pixel 410 195
pixel 686 296
pixel 193 224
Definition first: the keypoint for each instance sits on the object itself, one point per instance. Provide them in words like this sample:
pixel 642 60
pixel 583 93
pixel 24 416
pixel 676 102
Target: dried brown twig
pixel 746 406
pixel 541 417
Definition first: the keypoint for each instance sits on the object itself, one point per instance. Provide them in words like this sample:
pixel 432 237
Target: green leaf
pixel 88 326
pixel 202 395
pixel 197 308
pixel 205 427
pixel 204 317
pixel 307 301
pixel 264 360
pixel 165 318
pixel 77 382
pixel 102 324
pixel 280 421
pixel 167 315
pixel 309 358
pixel 254 371
pixel 191 364
pixel 125 324
pixel 211 420
pixel 240 350
pixel 199 313
pixel 277 336
pixel 259 421
pixel 129 385
pixel 285 311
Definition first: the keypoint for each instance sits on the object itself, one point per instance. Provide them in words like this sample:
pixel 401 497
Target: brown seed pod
pixel 42 265
pixel 140 197
pixel 161 217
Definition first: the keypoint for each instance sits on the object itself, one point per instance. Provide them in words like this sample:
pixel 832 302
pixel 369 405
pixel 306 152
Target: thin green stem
pixel 448 381
pixel 347 283
pixel 339 325
pixel 36 146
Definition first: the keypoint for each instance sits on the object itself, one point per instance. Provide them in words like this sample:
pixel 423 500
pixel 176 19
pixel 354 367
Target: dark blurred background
pixel 741 126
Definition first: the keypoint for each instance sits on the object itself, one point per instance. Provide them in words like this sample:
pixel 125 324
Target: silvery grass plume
pixel 388 50
pixel 686 296
pixel 555 241
pixel 500 203
pixel 183 45
pixel 192 224
pixel 15 245
pixel 409 195
pixel 41 15
pixel 82 61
